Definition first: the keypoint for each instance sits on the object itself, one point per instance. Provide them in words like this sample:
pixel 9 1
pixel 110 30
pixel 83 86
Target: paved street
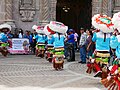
pixel 27 72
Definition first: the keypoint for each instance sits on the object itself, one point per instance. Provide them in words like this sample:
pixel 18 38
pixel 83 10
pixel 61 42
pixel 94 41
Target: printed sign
pixel 20 46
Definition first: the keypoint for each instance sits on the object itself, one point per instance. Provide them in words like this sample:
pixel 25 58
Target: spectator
pixel 66 43
pixel 71 40
pixel 15 34
pixel 89 44
pixel 20 33
pixel 34 40
pixel 76 42
pixel 82 46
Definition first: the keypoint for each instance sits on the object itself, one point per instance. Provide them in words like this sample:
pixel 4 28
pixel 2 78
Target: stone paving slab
pixel 27 72
pixel 38 88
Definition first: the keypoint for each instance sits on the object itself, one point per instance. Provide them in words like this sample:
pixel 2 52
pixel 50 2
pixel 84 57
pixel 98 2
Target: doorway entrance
pixel 74 13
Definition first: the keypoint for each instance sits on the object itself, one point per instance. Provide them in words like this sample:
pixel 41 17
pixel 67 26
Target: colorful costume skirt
pixel 40 49
pixel 112 81
pixel 49 53
pixel 58 55
pixel 99 63
pixel 102 57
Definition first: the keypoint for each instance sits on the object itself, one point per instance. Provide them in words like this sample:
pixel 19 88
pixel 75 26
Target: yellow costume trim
pixel 59 49
pixel 103 54
pixel 50 48
pixel 58 55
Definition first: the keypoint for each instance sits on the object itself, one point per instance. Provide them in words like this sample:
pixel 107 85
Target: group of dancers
pixel 107 41
pixel 54 34
pixel 106 38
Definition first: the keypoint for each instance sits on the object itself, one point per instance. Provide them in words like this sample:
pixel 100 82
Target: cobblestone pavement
pixel 27 72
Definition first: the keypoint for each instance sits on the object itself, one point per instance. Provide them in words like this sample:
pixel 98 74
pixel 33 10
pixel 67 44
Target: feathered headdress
pixel 102 22
pixel 5 25
pixel 47 30
pixel 58 27
pixel 116 21
pixel 39 29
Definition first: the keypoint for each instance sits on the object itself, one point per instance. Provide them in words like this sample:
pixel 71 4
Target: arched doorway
pixel 74 13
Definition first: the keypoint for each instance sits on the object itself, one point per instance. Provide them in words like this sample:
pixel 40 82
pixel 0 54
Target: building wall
pixel 23 18
pixel 2 11
pixel 42 11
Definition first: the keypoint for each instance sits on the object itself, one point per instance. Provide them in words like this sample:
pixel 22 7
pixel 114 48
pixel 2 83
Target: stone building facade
pixel 25 13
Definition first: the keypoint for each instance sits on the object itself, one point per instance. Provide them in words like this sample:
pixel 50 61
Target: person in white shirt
pixel 20 34
pixel 82 46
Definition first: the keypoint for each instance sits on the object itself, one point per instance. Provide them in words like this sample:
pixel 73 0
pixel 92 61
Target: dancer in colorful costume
pixel 4 29
pixel 49 47
pixel 41 38
pixel 58 43
pixel 113 80
pixel 100 58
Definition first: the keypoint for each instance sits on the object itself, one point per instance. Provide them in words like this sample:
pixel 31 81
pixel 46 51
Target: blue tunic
pixel 102 43
pixel 40 38
pixel 71 38
pixel 115 44
pixel 3 37
pixel 58 40
pixel 49 40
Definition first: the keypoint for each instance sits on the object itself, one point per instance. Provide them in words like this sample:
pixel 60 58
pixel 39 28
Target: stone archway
pixel 94 7
pixel 75 14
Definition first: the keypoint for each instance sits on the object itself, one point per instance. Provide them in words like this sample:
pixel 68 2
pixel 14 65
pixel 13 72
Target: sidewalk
pixel 28 72
pixel 38 88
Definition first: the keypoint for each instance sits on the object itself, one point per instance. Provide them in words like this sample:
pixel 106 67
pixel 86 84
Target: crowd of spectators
pixel 82 42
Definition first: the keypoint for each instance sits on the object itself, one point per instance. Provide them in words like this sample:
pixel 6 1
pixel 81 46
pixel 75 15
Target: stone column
pixel 110 8
pixel 8 9
pixel 53 9
pixel 8 13
pixel 116 6
pixel 45 12
pixel 117 3
pixel 105 6
pixel 2 11
pixel 96 7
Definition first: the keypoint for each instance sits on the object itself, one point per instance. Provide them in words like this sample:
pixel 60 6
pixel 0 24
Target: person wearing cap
pixel 71 41
pixel 82 46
